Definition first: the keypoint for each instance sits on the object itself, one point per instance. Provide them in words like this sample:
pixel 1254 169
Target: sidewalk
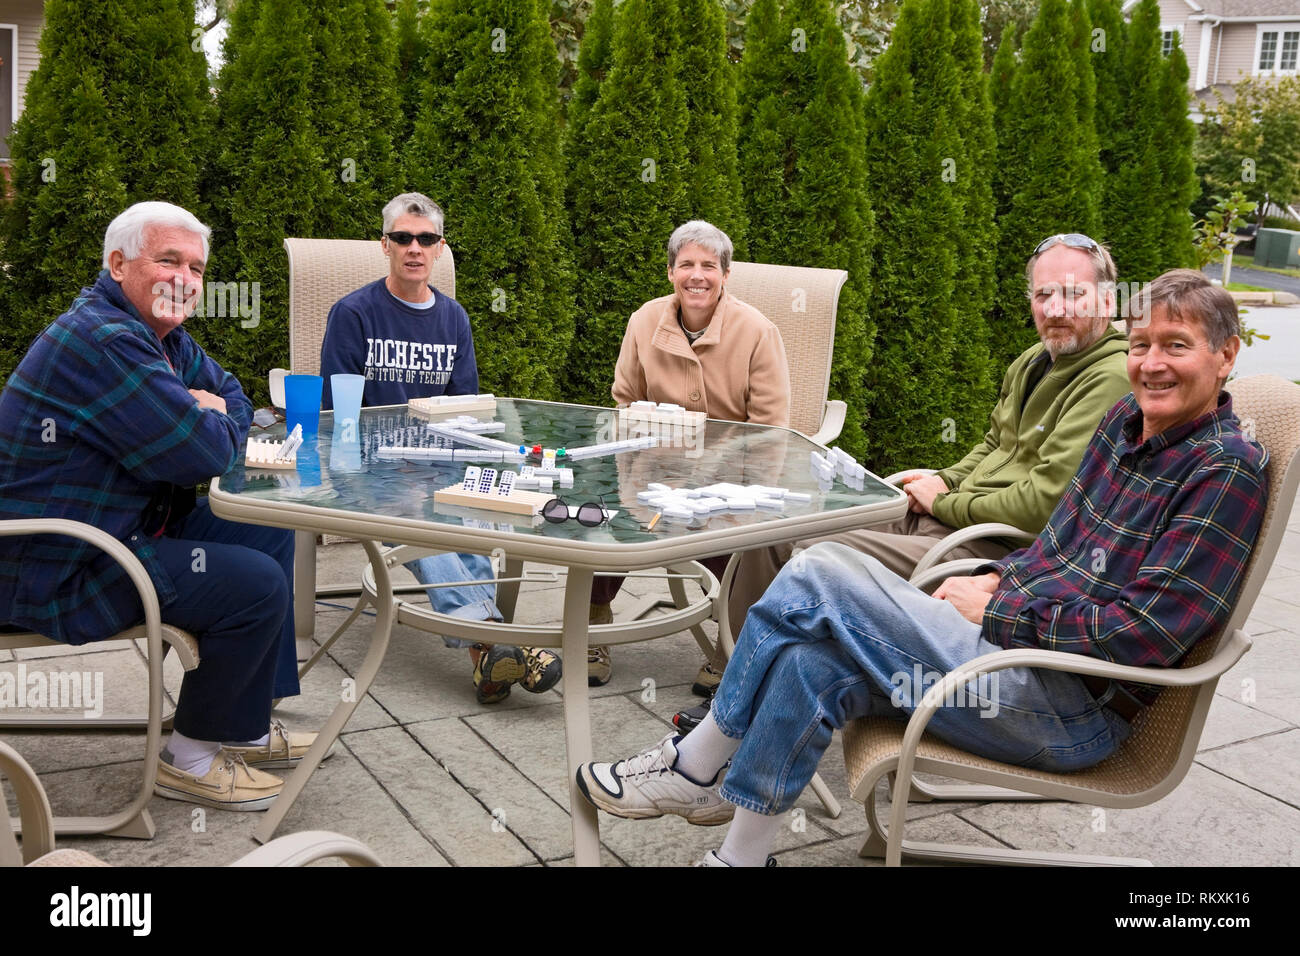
pixel 425 776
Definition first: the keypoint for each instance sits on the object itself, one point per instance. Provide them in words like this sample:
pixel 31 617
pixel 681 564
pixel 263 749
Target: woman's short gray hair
pixel 412 204
pixel 126 232
pixel 702 234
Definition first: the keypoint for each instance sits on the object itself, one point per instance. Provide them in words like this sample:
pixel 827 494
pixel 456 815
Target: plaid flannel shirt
pixel 1145 552
pixel 97 425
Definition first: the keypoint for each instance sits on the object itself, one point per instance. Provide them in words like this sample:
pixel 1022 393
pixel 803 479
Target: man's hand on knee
pixel 969 595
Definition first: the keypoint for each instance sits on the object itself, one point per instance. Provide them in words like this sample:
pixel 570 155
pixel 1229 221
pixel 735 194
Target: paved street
pixel 1259 277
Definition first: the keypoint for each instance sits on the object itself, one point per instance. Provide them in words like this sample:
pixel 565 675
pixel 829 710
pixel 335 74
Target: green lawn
pixel 1242 287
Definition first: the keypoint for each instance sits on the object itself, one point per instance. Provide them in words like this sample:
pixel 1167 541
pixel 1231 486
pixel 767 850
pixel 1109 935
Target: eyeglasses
pixel 590 515
pixel 425 239
pixel 1075 240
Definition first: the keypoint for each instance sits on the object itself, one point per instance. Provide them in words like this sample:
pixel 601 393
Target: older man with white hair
pixel 111 419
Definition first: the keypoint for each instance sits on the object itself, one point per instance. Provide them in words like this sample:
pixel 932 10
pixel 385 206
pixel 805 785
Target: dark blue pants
pixel 235 594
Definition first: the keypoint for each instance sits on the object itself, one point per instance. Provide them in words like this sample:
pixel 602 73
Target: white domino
pixel 507 484
pixel 471 478
pixel 486 480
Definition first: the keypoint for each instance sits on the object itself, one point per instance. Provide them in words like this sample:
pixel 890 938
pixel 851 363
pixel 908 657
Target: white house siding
pixel 28 15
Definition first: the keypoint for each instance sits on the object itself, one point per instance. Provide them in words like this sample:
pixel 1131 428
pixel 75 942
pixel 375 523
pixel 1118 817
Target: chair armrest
pixel 925 580
pixel 275 381
pixel 300 849
pixel 896 476
pixel 988 529
pixel 832 422
pixel 33 806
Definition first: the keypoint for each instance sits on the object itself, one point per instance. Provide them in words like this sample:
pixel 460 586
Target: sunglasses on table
pixel 425 239
pixel 1075 240
pixel 589 515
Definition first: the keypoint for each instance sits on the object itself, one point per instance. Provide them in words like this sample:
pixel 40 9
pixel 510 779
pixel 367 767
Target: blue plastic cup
pixel 302 402
pixel 347 390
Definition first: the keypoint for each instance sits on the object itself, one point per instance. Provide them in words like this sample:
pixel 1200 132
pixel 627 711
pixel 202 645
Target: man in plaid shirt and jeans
pixel 111 419
pixel 1141 559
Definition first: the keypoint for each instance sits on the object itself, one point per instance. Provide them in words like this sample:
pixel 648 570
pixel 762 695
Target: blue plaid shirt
pixel 97 425
pixel 1144 554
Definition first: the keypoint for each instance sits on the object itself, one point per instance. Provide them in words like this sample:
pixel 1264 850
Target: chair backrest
pixel 1269 409
pixel 801 302
pixel 322 271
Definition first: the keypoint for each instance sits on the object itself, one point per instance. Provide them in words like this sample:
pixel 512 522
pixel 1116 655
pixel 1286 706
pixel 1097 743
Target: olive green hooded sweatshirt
pixel 1021 469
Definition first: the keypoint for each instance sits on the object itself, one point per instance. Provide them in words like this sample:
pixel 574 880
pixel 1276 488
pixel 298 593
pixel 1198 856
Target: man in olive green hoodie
pixel 1053 397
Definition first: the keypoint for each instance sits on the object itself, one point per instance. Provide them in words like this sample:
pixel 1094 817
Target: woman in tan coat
pixel 705 350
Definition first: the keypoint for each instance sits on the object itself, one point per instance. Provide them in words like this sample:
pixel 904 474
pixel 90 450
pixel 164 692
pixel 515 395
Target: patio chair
pixel 36 824
pixel 1154 760
pixel 133 820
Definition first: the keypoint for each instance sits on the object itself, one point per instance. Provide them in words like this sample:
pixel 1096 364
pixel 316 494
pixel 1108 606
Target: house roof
pixel 1247 9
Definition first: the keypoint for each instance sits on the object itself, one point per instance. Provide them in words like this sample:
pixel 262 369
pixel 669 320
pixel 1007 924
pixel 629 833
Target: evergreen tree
pixel 594 57
pixel 977 252
pixel 485 147
pixel 353 105
pixel 802 160
pixel 627 187
pixel 713 184
pixel 411 53
pixel 270 181
pixel 1179 186
pixel 912 141
pixel 1107 49
pixel 1133 198
pixel 116 112
pixel 1048 163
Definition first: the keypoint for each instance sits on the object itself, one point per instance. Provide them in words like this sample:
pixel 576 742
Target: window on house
pixel 1167 42
pixel 1278 51
pixel 8 79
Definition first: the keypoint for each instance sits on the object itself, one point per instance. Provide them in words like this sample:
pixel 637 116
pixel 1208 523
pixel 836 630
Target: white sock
pixel 261 741
pixel 750 838
pixel 704 751
pixel 190 756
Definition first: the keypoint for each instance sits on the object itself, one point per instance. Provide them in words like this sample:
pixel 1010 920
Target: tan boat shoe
pixel 283 750
pixel 229 784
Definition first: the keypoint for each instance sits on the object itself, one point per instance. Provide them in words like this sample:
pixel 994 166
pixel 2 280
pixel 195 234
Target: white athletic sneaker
pixel 712 859
pixel 645 786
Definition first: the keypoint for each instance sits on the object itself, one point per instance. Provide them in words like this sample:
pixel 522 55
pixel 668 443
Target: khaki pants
pixel 898 545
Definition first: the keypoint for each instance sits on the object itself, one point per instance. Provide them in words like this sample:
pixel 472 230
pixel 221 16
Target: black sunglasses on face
pixel 425 239
pixel 589 515
pixel 1075 240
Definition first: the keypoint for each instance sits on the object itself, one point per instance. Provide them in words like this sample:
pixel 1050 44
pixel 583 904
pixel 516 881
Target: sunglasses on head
pixel 425 239
pixel 1075 240
pixel 590 515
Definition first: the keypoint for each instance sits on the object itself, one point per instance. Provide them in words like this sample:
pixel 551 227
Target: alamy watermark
pixel 980 691
pixel 55 690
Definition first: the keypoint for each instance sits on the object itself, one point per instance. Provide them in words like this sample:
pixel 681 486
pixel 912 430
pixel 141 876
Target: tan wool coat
pixel 736 371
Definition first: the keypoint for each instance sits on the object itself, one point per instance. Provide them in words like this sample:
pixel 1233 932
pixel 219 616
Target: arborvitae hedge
pixel 802 161
pixel 976 254
pixel 594 56
pixel 411 54
pixel 627 187
pixel 1179 186
pixel 713 190
pixel 116 112
pixel 1048 169
pixel 486 149
pixel 1107 51
pixel 912 148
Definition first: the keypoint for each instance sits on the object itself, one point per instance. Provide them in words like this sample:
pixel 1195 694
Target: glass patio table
pixel 342 485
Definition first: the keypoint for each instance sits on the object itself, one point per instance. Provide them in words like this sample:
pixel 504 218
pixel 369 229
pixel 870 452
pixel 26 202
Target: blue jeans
pixel 839 636
pixel 234 592
pixel 474 602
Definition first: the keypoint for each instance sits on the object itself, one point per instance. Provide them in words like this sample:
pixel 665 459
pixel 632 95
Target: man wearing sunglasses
pixel 410 340
pixel 1052 397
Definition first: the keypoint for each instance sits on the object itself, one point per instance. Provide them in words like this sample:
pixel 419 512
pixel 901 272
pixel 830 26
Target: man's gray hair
pixel 412 204
pixel 126 232
pixel 1104 272
pixel 702 234
pixel 1188 295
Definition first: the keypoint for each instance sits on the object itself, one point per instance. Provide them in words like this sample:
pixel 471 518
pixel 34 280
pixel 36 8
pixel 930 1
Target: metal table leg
pixel 577 715
pixel 379 637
